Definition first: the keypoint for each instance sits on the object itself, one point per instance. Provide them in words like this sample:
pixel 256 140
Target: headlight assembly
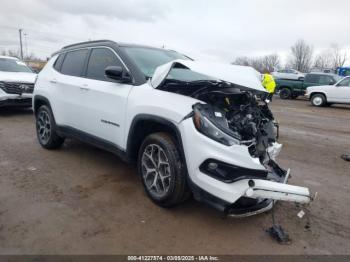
pixel 209 129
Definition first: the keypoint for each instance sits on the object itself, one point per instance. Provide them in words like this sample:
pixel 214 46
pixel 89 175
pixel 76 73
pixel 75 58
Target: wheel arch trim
pixel 158 120
pixel 38 98
pixel 318 93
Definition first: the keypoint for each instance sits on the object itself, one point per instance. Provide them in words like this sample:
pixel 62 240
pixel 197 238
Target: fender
pixel 131 143
pixel 40 98
pixel 318 92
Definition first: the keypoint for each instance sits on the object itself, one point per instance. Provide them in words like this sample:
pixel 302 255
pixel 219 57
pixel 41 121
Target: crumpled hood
pixel 21 77
pixel 244 76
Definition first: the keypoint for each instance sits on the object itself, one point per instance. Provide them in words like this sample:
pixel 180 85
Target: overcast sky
pixel 208 30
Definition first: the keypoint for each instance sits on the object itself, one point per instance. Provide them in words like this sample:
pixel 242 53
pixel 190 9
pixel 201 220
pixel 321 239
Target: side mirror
pixel 117 73
pixel 331 82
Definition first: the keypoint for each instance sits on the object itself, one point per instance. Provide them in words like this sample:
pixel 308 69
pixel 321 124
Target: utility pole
pixel 26 44
pixel 20 42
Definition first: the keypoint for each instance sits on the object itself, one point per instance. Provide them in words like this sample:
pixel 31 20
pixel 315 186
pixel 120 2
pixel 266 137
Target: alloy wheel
pixel 43 126
pixel 156 170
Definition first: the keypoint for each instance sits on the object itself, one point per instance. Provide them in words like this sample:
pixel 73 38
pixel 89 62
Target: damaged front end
pixel 241 118
pixel 232 111
pixel 234 117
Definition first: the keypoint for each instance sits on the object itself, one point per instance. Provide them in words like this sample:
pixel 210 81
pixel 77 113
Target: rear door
pixel 66 85
pixel 104 99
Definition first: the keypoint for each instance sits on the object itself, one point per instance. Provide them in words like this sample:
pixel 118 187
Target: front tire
pixel 162 170
pixel 46 129
pixel 285 93
pixel 318 100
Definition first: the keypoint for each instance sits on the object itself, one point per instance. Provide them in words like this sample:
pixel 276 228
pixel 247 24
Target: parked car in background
pixel 288 74
pixel 343 71
pixel 323 70
pixel 291 89
pixel 16 82
pixel 192 128
pixel 329 94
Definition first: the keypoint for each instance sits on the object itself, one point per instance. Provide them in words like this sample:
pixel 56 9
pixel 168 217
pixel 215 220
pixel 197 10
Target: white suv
pixel 16 82
pixel 330 94
pixel 191 127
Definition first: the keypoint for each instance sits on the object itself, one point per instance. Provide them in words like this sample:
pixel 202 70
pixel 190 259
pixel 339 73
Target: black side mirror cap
pixel 114 72
pixel 118 73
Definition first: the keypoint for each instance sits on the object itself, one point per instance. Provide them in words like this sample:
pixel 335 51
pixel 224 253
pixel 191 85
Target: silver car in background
pixel 288 74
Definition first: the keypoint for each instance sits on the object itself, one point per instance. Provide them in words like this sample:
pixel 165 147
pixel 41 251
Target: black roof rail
pixel 87 42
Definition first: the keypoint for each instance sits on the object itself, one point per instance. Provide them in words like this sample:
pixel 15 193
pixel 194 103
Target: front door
pixel 104 100
pixel 341 92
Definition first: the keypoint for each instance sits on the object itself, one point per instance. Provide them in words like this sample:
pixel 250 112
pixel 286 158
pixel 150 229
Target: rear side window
pixel 58 62
pixel 326 80
pixel 99 59
pixel 73 63
pixel 310 78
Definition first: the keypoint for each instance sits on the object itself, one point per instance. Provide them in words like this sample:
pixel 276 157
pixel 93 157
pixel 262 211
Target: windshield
pixel 344 82
pixel 13 65
pixel 148 59
pixel 337 78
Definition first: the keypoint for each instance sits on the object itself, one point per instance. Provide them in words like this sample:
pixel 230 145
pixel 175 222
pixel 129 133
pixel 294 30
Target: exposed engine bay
pixel 239 113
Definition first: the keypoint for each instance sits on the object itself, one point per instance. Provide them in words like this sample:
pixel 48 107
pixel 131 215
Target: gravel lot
pixel 82 200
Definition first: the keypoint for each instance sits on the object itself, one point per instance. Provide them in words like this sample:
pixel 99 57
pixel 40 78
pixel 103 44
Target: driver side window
pixel 99 59
pixel 345 82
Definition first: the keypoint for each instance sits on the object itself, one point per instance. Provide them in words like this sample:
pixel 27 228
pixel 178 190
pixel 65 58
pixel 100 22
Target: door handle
pixel 53 81
pixel 84 87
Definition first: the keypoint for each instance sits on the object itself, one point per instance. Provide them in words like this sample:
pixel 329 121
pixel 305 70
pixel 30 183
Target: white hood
pixel 21 77
pixel 244 76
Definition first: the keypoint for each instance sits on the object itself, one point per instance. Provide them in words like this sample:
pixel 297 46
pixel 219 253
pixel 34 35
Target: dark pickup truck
pixel 291 89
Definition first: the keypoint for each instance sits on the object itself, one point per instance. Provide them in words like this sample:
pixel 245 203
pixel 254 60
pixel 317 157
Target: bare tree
pixel 333 57
pixel 242 60
pixel 261 64
pixel 10 52
pixel 16 53
pixel 271 62
pixel 323 60
pixel 301 56
pixel 339 56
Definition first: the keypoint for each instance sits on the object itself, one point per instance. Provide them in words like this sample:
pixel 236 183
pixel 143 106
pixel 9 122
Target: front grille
pixel 17 88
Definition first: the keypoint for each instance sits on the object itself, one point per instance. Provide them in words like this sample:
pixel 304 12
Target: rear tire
pixel 285 93
pixel 162 170
pixel 46 129
pixel 318 100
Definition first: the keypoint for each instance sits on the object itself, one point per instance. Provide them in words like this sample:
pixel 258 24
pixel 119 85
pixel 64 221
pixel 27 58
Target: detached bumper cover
pixel 278 191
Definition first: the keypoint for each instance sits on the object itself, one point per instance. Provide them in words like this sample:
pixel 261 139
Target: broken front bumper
pixel 239 184
pixel 262 193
